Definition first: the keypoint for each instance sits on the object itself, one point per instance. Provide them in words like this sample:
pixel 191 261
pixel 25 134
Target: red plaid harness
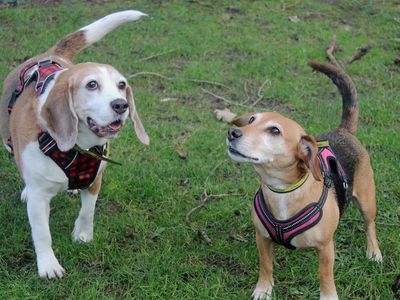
pixel 80 168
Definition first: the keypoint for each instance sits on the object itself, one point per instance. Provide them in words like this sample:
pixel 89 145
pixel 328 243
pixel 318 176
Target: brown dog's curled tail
pixel 347 90
pixel 73 43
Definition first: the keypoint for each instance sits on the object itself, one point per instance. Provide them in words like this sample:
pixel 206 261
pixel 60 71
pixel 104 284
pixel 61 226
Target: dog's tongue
pixel 115 125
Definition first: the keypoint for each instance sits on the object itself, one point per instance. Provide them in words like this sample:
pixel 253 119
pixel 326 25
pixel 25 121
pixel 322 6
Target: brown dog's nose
pixel 234 133
pixel 119 105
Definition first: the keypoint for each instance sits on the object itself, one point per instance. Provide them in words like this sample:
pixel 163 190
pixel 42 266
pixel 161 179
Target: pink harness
pixel 283 231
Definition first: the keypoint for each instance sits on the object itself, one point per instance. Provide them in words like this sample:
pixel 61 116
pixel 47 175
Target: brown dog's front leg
pixel 326 260
pixel 265 281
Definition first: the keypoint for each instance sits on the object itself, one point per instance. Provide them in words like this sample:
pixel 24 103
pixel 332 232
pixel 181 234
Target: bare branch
pixel 144 73
pixel 139 74
pixel 360 53
pixel 329 52
pixel 225 99
pixel 209 82
pixel 246 92
pixel 158 54
pixel 260 96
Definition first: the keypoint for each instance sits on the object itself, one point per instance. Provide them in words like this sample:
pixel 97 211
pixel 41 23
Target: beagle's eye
pixel 251 120
pixel 274 130
pixel 122 85
pixel 92 85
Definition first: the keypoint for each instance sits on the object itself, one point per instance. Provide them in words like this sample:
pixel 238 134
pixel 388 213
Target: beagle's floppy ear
pixel 139 129
pixel 307 150
pixel 59 114
pixel 242 120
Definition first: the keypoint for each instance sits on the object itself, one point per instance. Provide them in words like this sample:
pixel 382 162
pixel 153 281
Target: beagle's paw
pixel 260 294
pixel 24 195
pixel 333 296
pixel 375 255
pixel 83 231
pixel 49 267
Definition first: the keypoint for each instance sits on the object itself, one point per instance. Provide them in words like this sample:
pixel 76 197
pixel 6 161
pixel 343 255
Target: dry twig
pixel 227 100
pixel 209 82
pixel 360 53
pixel 158 54
pixel 329 53
pixel 144 73
pixel 357 56
pixel 260 96
pixel 246 92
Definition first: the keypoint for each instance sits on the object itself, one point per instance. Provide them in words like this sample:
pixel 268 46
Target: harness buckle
pixel 45 61
pixel 328 181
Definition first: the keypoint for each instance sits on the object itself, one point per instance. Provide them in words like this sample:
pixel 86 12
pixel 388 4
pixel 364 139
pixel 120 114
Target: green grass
pixel 142 248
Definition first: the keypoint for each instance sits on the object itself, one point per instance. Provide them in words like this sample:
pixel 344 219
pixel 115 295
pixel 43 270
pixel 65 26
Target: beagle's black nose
pixel 234 133
pixel 119 105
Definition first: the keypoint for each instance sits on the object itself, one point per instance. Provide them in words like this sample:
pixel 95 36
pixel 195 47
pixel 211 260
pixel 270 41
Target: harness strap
pixel 42 72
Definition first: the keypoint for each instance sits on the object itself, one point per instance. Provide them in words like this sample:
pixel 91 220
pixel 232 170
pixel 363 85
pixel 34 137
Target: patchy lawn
pixel 254 58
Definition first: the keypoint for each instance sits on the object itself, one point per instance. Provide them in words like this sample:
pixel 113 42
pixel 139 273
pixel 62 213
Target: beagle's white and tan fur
pixel 85 105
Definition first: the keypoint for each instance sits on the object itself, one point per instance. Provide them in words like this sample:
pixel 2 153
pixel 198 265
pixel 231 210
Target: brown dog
pixel 295 172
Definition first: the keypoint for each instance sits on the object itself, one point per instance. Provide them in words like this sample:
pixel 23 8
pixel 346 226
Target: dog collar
pixel 290 188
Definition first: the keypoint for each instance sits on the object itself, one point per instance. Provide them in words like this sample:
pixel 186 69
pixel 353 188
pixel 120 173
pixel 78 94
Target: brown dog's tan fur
pixel 283 159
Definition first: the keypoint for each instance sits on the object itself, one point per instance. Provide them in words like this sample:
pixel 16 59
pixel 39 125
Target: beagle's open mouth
pixel 233 151
pixel 104 131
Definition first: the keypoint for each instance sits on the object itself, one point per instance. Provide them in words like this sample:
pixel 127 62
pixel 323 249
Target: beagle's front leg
pixel 265 283
pixel 83 230
pixel 326 256
pixel 38 206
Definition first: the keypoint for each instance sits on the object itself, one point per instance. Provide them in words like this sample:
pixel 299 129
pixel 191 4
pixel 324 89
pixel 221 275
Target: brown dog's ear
pixel 307 150
pixel 60 115
pixel 242 120
pixel 139 129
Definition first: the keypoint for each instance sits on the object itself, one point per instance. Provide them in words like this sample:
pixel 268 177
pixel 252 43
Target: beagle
pixel 306 183
pixel 57 118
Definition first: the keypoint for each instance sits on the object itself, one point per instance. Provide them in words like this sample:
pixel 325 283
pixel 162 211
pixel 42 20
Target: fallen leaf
pixel 294 19
pixel 181 153
pixel 224 115
pixel 238 237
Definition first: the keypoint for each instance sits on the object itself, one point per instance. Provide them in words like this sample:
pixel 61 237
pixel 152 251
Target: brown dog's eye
pixel 274 130
pixel 92 85
pixel 121 85
pixel 251 120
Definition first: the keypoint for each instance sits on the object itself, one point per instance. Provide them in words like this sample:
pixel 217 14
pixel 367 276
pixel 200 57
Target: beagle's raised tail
pixel 72 44
pixel 347 90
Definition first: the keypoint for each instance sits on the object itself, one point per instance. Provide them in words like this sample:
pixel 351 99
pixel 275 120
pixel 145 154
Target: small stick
pixel 360 53
pixel 144 73
pixel 260 96
pixel 329 52
pixel 158 54
pixel 209 82
pixel 226 100
pixel 138 74
pixel 246 92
